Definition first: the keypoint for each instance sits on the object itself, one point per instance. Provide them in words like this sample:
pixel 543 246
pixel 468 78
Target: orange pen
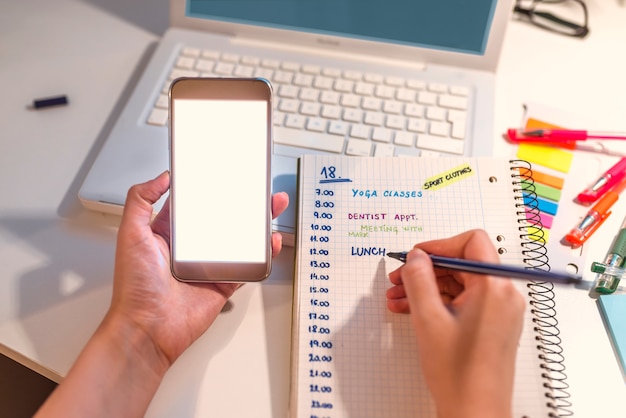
pixel 595 217
pixel 592 221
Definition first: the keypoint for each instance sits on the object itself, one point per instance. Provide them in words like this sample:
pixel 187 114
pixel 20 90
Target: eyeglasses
pixel 542 13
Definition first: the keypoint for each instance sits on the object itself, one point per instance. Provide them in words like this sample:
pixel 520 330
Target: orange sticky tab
pixel 548 179
pixel 532 123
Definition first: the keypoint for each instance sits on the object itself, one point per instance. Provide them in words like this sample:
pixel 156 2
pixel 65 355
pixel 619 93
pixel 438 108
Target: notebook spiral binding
pixel 543 306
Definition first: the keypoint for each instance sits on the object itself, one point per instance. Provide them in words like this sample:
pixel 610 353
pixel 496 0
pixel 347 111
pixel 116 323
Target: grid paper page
pixel 351 356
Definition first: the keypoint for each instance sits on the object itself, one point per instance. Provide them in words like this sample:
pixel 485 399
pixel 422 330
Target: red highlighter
pixel 606 182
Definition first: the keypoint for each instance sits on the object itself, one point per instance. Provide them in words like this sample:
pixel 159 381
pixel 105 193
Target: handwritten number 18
pixel 328 172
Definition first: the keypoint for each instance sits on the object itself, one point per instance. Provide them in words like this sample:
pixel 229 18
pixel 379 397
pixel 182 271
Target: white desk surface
pixel 57 259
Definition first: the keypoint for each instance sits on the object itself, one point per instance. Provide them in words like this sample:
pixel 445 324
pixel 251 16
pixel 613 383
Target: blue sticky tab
pixel 544 205
pixel 547 206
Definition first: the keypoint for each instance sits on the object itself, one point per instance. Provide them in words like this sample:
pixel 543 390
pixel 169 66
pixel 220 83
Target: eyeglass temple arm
pixel 521 10
pixel 556 19
pixel 582 30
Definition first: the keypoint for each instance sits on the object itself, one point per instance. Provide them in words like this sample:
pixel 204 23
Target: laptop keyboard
pixel 342 112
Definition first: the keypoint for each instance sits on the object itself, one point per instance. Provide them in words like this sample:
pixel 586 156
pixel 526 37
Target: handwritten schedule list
pixel 351 357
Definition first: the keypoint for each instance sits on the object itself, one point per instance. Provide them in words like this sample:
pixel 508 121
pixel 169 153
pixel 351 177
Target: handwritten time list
pixel 351 356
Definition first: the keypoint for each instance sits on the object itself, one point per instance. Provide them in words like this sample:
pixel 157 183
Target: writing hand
pixel 467 326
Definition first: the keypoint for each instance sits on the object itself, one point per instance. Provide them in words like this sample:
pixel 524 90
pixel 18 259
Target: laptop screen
pixel 453 25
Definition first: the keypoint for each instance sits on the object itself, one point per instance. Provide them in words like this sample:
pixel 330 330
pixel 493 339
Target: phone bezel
pixel 207 88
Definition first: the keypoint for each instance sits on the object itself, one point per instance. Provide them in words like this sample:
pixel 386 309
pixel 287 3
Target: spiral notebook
pixel 351 357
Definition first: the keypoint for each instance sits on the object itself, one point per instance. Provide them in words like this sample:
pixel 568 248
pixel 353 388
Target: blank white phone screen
pixel 219 158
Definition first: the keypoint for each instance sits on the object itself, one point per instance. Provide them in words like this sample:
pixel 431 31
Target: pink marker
pixel 605 183
pixel 554 136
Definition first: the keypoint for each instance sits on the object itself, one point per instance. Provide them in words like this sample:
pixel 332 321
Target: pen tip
pixel 534 133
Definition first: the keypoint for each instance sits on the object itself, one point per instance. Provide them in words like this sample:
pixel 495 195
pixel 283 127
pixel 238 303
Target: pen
pixel 559 135
pixel 609 279
pixel 50 101
pixel 499 270
pixel 605 183
pixel 593 219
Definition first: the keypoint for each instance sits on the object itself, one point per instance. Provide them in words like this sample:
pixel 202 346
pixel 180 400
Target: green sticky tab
pixel 545 191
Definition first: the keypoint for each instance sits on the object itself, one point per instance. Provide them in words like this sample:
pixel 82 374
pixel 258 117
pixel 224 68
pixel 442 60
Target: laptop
pixel 397 56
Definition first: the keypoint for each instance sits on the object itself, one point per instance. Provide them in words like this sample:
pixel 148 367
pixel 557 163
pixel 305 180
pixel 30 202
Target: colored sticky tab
pixel 533 123
pixel 543 205
pixel 545 191
pixel 554 158
pixel 545 219
pixel 548 179
pixel 537 234
pixel 547 206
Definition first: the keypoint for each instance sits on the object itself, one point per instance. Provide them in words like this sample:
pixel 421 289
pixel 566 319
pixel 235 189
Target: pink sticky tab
pixel 545 219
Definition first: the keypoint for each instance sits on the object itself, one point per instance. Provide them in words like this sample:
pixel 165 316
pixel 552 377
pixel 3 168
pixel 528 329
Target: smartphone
pixel 220 179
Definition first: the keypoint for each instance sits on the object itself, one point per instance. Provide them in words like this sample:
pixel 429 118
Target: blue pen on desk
pixel 498 270
pixel 50 101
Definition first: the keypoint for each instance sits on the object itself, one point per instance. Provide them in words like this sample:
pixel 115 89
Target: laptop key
pixel 224 68
pixel 162 102
pixel 244 71
pixel 295 121
pixel 158 117
pixel 358 147
pixel 437 143
pixel 311 140
pixel 185 62
pixel 316 124
pixel 453 102
pixel 403 138
pixel 439 129
pixel 384 150
pixel 458 130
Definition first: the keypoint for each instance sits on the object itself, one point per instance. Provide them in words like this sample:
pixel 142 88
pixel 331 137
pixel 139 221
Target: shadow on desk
pixel 152 15
pixel 240 366
pixel 68 270
pixel 74 261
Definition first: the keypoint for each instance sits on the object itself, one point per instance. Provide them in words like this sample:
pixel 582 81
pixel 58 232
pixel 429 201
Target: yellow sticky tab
pixel 536 234
pixel 555 158
pixel 445 179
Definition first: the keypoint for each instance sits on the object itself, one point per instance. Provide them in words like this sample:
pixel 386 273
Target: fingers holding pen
pixel 447 285
pixel 417 287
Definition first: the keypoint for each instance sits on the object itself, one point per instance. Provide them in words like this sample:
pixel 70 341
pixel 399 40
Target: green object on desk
pixel 613 309
pixel 608 282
